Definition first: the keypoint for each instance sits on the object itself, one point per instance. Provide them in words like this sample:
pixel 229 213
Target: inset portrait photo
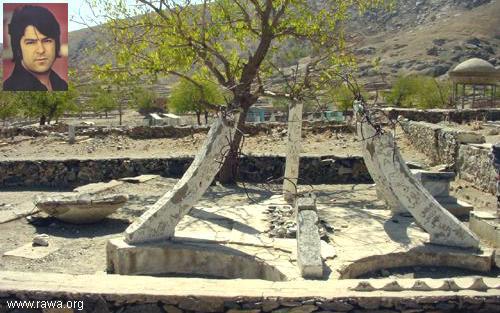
pixel 35 46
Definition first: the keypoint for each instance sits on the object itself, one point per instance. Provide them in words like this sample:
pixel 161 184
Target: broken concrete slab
pixel 81 208
pixel 380 150
pixel 139 179
pixel 98 187
pixel 308 239
pixel 29 251
pixel 160 220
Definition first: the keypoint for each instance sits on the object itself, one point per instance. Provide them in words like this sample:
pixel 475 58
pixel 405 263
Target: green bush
pixel 421 92
pixel 146 101
pixel 104 100
pixel 8 107
pixel 186 96
pixel 343 97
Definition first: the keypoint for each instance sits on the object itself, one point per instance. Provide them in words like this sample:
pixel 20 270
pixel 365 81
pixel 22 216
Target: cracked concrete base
pixel 365 239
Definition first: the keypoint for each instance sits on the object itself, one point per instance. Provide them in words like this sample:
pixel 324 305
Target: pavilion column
pixel 463 96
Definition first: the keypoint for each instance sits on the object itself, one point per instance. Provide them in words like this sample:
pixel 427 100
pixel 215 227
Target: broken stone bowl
pixel 81 208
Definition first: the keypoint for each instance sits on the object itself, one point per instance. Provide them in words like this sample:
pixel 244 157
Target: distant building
pixel 475 82
pixel 160 119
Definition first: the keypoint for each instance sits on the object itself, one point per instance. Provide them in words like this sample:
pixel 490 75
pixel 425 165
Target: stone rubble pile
pixel 282 223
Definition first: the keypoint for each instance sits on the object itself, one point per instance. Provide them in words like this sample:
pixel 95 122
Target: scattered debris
pixel 139 179
pixel 282 223
pixel 41 240
pixel 97 187
pixel 28 251
pixel 18 216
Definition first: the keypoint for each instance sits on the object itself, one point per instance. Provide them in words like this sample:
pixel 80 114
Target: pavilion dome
pixel 475 71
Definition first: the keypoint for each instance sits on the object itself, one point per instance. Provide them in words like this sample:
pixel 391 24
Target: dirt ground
pixel 56 147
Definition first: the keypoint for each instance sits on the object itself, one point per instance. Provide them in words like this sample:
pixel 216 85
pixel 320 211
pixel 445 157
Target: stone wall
pixel 474 165
pixel 147 132
pixel 440 144
pixel 191 304
pixel 464 150
pixel 440 115
pixel 70 173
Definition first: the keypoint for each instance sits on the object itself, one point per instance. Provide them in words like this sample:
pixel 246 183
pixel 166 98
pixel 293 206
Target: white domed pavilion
pixel 478 76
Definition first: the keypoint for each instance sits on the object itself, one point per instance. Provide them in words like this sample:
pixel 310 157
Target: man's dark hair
pixel 39 17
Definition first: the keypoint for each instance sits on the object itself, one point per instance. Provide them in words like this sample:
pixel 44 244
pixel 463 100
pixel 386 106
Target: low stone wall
pixel 462 149
pixel 136 294
pixel 191 304
pixel 474 165
pixel 440 115
pixel 440 144
pixel 259 169
pixel 147 132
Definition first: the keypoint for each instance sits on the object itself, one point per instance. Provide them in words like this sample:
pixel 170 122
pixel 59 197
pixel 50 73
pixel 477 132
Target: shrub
pixel 146 101
pixel 343 97
pixel 420 92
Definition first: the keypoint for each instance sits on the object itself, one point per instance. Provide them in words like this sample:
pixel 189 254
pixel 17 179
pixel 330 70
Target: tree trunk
pixel 198 119
pixel 43 119
pixel 51 114
pixel 229 170
pixel 120 111
pixel 206 117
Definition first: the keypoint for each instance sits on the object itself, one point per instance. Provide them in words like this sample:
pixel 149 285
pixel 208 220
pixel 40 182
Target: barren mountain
pixel 424 36
pixel 428 36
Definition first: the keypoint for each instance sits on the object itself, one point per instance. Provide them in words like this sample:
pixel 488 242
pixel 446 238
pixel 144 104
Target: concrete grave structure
pixel 405 191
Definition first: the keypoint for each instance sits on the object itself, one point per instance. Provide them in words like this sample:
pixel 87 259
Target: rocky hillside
pixel 423 36
pixel 428 36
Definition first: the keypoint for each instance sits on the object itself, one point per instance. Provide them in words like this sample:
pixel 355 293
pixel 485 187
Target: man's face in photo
pixel 38 50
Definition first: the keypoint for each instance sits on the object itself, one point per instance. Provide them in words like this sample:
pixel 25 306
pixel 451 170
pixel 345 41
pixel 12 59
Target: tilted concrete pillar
pixel 381 184
pixel 293 151
pixel 390 171
pixel 160 220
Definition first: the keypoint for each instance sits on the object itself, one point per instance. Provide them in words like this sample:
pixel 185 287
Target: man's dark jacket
pixel 22 80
